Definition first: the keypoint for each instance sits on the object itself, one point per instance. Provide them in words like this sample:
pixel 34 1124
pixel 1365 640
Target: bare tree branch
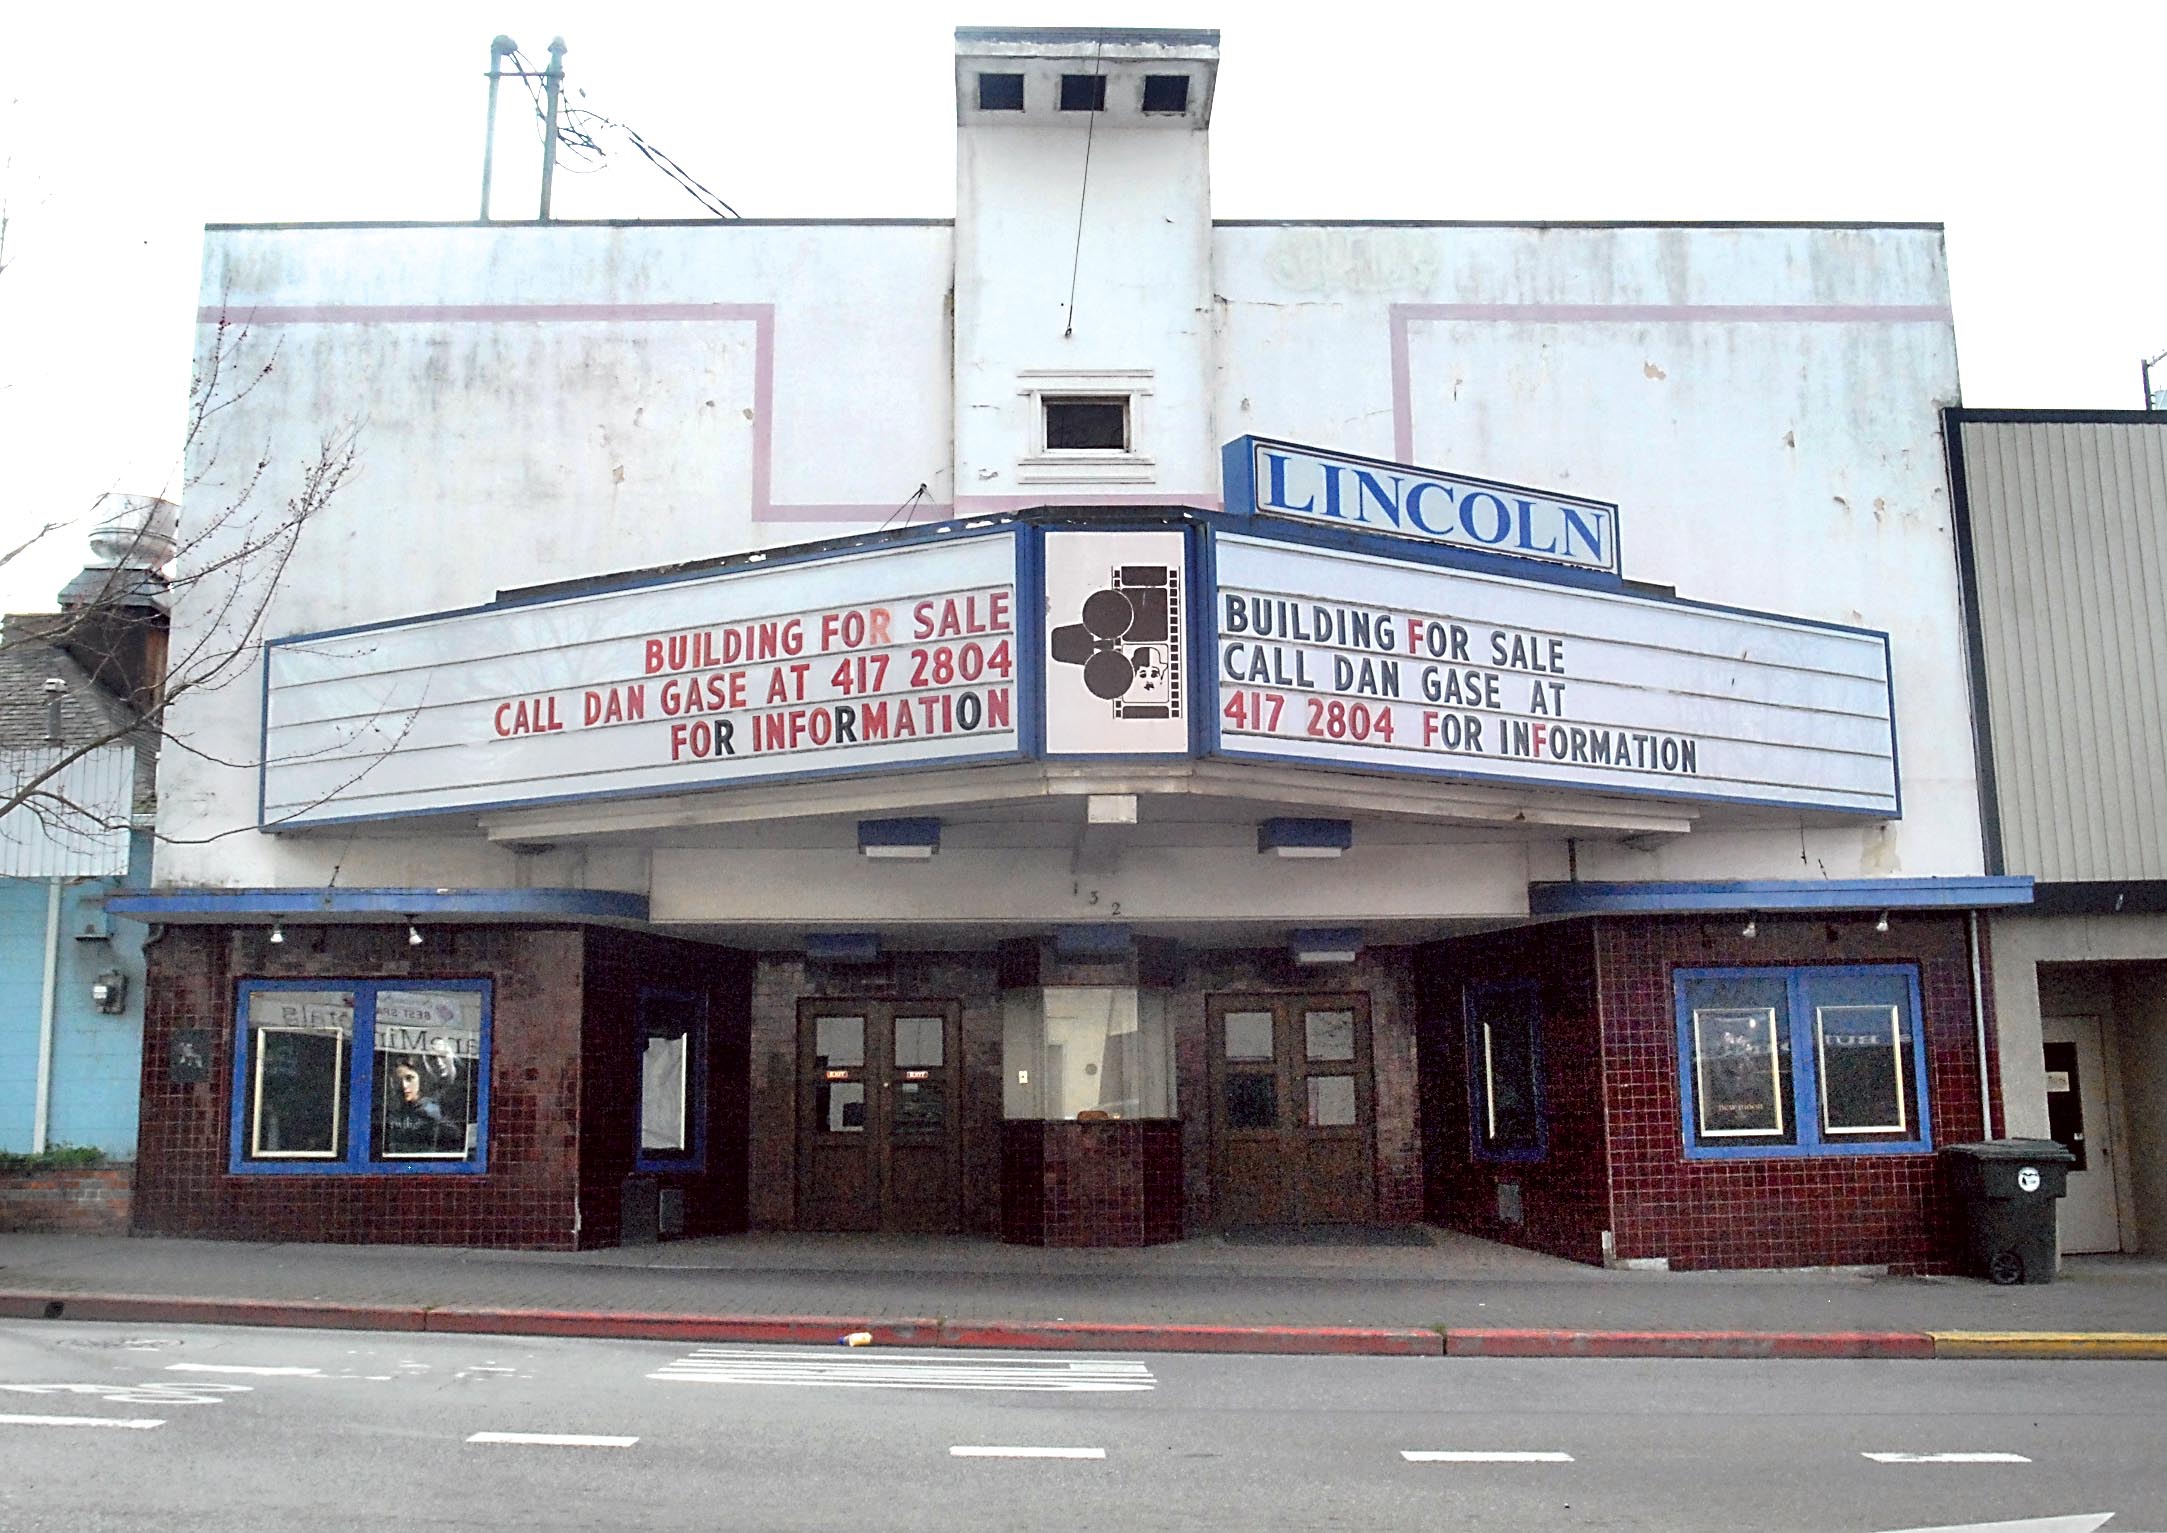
pixel 228 569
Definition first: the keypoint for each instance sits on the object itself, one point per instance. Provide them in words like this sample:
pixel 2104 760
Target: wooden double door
pixel 1293 1108
pixel 879 1109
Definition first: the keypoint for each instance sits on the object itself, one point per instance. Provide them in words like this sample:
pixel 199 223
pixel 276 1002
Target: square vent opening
pixel 1083 93
pixel 1000 93
pixel 1166 93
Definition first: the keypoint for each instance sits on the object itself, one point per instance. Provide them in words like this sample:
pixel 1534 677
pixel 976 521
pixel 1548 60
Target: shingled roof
pixel 28 658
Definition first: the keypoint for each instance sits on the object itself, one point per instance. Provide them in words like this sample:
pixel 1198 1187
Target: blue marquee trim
pixel 1570 899
pixel 258 906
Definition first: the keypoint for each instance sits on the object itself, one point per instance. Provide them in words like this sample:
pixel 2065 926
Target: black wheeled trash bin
pixel 2005 1191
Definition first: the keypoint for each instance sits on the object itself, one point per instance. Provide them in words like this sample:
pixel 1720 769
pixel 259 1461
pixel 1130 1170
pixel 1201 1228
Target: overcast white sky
pixel 2033 133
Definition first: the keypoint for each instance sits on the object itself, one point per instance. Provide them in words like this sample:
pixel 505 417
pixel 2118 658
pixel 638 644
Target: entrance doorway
pixel 878 1110
pixel 2079 1118
pixel 1292 1103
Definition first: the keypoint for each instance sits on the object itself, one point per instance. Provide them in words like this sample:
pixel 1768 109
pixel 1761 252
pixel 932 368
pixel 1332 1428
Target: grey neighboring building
pixel 2062 536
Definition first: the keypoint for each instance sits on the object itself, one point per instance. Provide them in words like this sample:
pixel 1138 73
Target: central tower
pixel 1083 324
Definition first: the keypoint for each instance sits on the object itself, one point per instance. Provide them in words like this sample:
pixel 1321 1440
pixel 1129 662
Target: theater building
pixel 1086 726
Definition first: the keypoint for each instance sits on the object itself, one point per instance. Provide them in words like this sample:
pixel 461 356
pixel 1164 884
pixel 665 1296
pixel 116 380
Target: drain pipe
pixel 41 1110
pixel 1978 1022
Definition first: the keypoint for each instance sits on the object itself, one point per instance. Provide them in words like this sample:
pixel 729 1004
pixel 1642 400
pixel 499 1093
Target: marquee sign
pixel 897 656
pixel 1145 635
pixel 1392 500
pixel 1339 659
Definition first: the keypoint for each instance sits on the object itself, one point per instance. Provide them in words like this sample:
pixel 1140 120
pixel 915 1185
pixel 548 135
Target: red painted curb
pixel 1022 1335
pixel 146 1309
pixel 1340 1341
pixel 637 1326
pixel 1740 1344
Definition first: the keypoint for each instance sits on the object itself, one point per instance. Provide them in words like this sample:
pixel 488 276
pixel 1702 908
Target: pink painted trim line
pixel 990 505
pixel 1681 313
pixel 1402 316
pixel 761 316
pixel 479 313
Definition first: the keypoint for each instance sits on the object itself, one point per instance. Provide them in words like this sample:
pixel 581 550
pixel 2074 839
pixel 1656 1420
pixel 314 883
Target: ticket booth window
pixel 1087 1051
pixel 673 1080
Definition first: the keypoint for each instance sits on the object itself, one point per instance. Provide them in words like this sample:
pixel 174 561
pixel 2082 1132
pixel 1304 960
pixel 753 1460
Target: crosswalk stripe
pixel 733 1365
pixel 554 1439
pixel 137 1424
pixel 990 1452
pixel 1483 1456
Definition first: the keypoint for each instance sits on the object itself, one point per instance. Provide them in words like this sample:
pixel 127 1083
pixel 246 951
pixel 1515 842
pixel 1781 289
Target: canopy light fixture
pixel 843 947
pixel 278 934
pixel 1101 940
pixel 413 935
pixel 907 838
pixel 1752 928
pixel 1882 925
pixel 1325 944
pixel 1305 838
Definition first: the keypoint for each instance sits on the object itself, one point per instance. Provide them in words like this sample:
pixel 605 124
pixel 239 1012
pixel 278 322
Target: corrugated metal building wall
pixel 2066 545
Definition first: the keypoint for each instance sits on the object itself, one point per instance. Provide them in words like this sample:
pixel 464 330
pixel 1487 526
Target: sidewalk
pixel 1451 1294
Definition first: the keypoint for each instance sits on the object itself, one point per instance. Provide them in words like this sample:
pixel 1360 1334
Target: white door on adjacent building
pixel 2078 1116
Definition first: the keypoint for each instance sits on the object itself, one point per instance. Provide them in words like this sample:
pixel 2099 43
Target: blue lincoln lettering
pixel 1306 484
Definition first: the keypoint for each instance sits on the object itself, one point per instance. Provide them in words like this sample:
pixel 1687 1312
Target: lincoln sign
pixel 1476 516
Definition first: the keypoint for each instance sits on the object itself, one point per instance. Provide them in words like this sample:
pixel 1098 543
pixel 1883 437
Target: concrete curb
pixel 2145 1346
pixel 1025 1335
pixel 1076 1336
pixel 1735 1344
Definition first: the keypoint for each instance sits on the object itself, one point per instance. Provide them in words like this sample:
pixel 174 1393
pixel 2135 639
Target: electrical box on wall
pixel 109 991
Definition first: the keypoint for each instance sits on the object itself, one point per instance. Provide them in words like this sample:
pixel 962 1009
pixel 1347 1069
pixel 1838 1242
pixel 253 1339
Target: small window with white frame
pixel 1085 422
pixel 1086 427
pixel 1805 1061
pixel 673 1080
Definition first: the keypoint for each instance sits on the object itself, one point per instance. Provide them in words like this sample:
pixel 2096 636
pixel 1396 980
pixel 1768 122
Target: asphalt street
pixel 233 1429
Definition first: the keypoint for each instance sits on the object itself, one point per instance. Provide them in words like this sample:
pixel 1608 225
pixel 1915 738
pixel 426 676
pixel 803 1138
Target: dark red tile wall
pixel 1822 1211
pixel 527 1198
pixel 1116 1183
pixel 619 965
pixel 1565 1197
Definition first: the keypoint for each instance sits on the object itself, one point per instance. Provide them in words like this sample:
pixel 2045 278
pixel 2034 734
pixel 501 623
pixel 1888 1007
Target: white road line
pixel 989 1452
pixel 79 1421
pixel 268 1373
pixel 1948 1458
pixel 554 1439
pixel 1478 1456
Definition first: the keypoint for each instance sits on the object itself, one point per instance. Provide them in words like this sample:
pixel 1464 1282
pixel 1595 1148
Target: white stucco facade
pixel 541 404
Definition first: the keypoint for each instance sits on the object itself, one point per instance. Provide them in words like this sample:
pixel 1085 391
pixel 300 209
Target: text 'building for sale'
pixel 1085 722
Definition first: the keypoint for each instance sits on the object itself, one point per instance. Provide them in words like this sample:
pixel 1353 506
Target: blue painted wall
pixel 97 1057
